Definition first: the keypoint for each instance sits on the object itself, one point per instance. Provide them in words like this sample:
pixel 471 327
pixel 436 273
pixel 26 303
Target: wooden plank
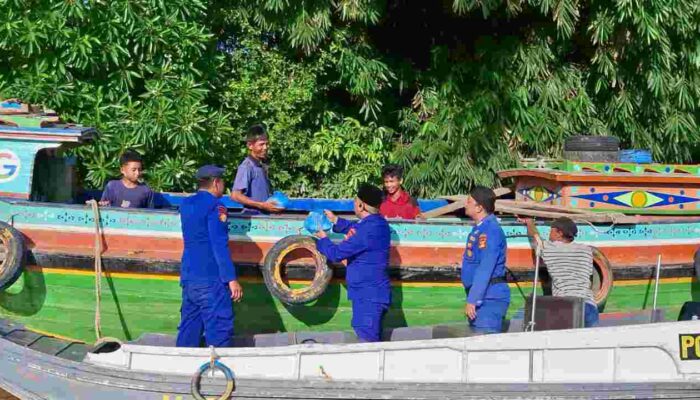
pixel 444 209
pixel 597 218
pixel 547 207
pixel 501 191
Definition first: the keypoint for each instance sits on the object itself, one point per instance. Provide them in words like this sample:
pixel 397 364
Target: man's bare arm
pixel 532 230
pixel 239 197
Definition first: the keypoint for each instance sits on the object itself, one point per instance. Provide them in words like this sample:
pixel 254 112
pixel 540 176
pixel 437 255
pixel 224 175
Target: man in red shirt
pixel 397 203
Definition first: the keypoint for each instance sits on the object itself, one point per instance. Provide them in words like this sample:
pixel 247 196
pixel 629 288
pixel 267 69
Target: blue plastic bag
pixel 317 221
pixel 638 156
pixel 280 198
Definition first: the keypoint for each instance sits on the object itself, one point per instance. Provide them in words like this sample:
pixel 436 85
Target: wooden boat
pixel 141 249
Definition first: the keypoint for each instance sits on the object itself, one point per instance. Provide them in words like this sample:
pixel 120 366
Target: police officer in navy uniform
pixel 483 265
pixel 208 276
pixel 366 247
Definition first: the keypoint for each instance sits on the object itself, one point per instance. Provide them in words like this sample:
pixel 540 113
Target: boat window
pixel 54 178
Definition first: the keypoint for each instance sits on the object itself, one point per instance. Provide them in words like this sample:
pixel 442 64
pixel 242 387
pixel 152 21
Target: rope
pixel 515 280
pixel 613 221
pixel 98 266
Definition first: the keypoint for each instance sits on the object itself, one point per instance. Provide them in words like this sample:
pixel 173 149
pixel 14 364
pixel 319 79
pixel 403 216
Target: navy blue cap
pixel 209 171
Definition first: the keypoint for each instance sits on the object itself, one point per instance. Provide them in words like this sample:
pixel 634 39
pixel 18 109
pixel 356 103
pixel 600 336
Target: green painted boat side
pixel 64 304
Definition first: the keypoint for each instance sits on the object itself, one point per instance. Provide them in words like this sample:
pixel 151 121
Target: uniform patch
pixel 482 241
pixel 223 214
pixel 471 238
pixel 469 245
pixel 469 253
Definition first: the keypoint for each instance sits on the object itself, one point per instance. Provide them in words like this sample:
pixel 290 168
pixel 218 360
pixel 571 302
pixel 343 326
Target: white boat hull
pixel 635 353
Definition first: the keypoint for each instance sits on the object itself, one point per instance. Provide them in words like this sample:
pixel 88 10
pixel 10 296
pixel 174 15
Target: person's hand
pixel 271 207
pixel 524 220
pixel 236 290
pixel 320 234
pixel 331 217
pixel 350 234
pixel 470 311
pixel 420 216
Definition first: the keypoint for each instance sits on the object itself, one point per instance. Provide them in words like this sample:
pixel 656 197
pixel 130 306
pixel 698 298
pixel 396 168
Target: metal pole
pixel 531 324
pixel 656 287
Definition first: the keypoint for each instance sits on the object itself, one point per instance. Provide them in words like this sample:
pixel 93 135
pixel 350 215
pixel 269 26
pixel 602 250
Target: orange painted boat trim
pixel 559 176
pixel 170 249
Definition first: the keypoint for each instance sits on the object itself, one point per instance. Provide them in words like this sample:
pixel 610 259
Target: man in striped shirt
pixel 570 265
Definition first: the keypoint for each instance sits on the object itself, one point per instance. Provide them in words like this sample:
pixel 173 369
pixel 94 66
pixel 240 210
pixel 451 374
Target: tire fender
pixel 272 270
pixel 603 279
pixel 13 264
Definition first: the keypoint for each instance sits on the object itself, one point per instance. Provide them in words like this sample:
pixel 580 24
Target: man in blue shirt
pixel 483 265
pixel 208 276
pixel 366 247
pixel 251 188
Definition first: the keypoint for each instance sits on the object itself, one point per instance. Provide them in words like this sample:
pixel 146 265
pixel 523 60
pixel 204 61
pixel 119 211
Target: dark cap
pixel 209 171
pixel 484 197
pixel 566 226
pixel 370 194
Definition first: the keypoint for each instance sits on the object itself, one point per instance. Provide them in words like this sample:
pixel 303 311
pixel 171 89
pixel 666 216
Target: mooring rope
pixel 98 266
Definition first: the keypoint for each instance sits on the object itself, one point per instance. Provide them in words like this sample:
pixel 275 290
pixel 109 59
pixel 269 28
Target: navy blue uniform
pixel 206 271
pixel 483 275
pixel 366 248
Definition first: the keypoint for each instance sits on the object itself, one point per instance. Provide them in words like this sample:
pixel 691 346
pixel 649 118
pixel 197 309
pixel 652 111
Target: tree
pixel 498 80
pixel 454 90
pixel 139 71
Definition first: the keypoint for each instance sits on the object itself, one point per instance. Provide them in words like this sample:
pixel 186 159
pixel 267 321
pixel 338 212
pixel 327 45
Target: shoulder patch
pixel 223 213
pixel 482 241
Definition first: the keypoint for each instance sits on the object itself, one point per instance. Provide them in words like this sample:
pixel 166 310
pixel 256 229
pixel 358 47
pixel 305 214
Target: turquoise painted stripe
pixel 452 232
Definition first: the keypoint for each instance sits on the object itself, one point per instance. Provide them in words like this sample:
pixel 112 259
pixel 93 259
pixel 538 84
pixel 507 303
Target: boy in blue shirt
pixel 129 191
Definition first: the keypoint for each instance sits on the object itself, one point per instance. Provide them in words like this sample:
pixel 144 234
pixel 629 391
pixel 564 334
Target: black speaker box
pixel 555 313
pixel 689 310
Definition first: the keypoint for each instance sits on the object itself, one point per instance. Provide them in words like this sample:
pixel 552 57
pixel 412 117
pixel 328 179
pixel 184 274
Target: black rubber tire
pixel 603 279
pixel 592 156
pixel 272 273
pixel 592 143
pixel 13 265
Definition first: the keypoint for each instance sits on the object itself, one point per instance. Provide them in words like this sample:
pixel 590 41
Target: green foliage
pixel 455 91
pixel 348 151
pixel 136 70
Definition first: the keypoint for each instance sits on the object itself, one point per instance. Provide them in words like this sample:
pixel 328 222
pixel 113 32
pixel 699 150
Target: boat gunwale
pixel 507 220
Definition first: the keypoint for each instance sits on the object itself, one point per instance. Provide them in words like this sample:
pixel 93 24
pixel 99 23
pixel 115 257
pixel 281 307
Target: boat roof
pixel 52 133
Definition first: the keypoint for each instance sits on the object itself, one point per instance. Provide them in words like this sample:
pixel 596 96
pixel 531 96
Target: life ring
pixel 13 264
pixel 272 270
pixel 602 277
pixel 197 378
